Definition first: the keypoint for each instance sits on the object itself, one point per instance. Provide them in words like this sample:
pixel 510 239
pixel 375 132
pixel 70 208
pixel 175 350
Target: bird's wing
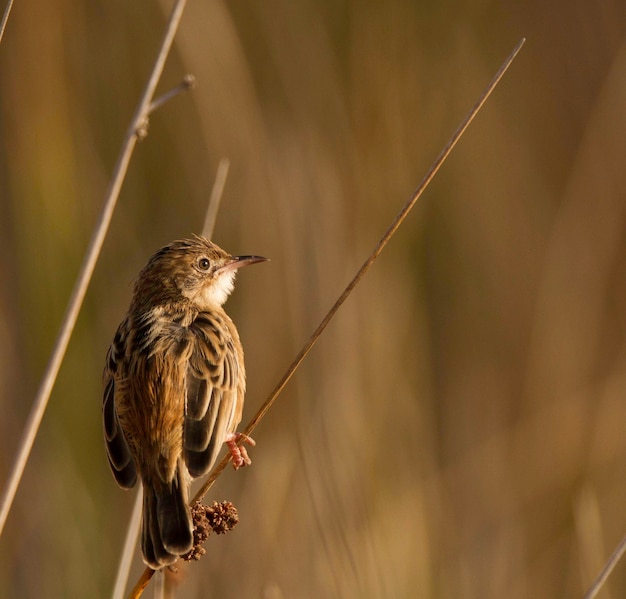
pixel 213 392
pixel 118 452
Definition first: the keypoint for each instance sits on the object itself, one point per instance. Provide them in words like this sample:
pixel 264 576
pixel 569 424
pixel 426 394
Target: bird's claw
pixel 239 453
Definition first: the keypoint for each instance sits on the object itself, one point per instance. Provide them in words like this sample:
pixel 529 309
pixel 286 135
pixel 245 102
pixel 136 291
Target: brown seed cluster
pixel 218 518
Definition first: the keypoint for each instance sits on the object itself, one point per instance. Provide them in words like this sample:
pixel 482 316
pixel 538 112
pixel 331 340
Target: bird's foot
pixel 239 453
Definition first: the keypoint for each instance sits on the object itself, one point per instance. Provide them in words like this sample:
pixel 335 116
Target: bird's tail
pixel 167 530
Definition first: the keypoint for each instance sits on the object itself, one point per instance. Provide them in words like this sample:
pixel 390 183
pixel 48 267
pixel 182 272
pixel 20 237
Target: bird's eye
pixel 204 264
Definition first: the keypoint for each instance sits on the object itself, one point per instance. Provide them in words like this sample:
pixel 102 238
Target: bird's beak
pixel 239 261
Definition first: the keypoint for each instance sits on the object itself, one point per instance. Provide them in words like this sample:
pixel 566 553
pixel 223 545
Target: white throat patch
pixel 215 294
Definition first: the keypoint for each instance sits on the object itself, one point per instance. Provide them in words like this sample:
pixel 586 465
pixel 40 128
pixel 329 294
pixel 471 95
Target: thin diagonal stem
pixel 5 18
pixel 216 198
pixel 598 583
pixel 142 583
pixel 123 571
pixel 443 155
pixel 89 263
pixel 188 82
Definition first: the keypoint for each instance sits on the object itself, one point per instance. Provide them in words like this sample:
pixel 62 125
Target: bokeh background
pixel 459 429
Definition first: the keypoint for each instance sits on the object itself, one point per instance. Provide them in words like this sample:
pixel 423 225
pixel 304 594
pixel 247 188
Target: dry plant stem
pixel 5 18
pixel 145 577
pixel 188 82
pixel 606 571
pixel 216 198
pixel 367 264
pixel 123 570
pixel 142 583
pixel 86 271
pixel 159 586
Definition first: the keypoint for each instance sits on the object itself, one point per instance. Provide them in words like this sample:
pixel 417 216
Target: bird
pixel 174 384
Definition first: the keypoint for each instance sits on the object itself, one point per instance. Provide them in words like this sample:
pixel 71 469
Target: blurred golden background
pixel 459 429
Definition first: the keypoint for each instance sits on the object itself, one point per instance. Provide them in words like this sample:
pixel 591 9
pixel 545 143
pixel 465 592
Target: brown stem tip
pixel 219 518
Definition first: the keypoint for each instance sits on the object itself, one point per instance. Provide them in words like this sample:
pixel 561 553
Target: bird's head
pixel 194 271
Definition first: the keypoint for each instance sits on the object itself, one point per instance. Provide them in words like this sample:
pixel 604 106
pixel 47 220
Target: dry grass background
pixel 459 430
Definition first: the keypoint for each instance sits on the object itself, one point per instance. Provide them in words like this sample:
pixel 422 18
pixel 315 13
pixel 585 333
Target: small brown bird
pixel 174 385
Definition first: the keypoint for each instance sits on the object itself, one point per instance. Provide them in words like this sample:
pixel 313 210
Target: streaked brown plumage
pixel 174 385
